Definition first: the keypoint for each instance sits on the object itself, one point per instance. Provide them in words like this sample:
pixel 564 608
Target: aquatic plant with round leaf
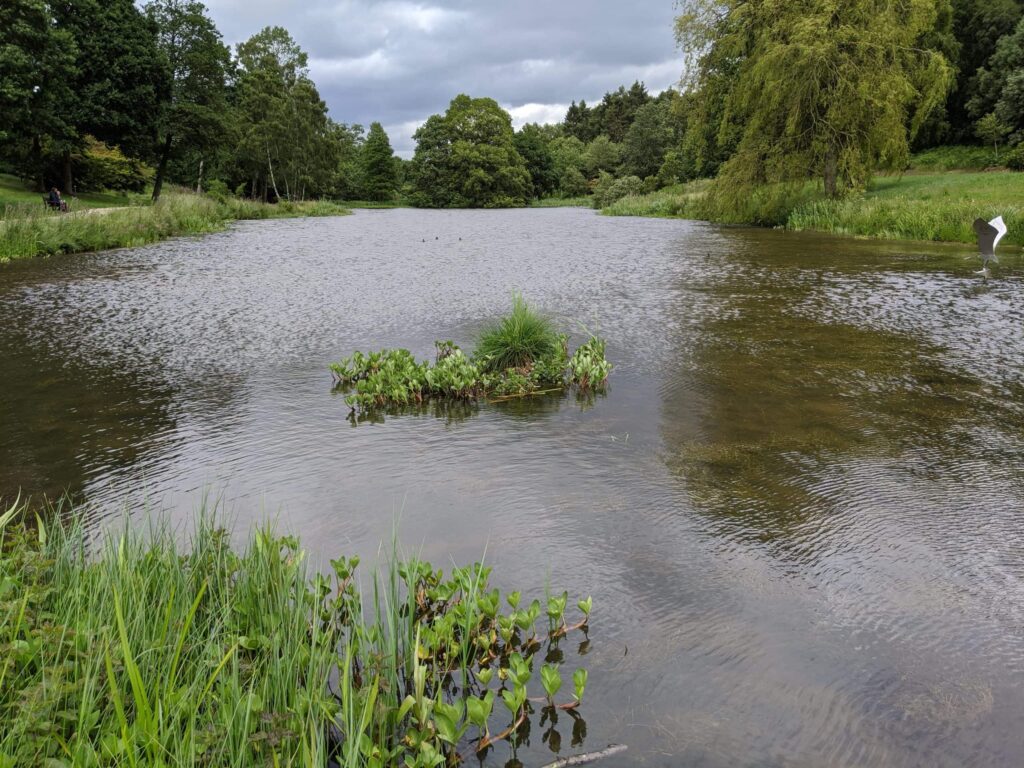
pixel 131 651
pixel 518 356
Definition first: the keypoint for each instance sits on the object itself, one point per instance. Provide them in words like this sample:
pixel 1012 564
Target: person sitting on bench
pixel 54 200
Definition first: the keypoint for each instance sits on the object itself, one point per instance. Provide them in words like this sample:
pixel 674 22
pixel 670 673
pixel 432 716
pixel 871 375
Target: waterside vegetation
pixel 37 232
pixel 134 651
pixel 917 206
pixel 520 354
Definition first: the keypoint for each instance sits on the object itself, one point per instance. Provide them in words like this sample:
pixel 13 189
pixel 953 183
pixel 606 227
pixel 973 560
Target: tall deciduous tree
pixel 121 79
pixel 37 62
pixel 378 165
pixel 978 25
pixel 653 131
pixel 532 145
pixel 286 143
pixel 999 86
pixel 467 158
pixel 196 113
pixel 826 88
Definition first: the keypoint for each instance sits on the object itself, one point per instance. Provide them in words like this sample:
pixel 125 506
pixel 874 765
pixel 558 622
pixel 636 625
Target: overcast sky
pixel 400 62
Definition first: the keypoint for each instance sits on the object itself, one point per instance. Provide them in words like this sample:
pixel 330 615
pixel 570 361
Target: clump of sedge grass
pixel 518 339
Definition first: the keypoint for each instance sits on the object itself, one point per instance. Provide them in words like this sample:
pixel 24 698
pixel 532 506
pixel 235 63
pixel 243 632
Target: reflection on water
pixel 799 508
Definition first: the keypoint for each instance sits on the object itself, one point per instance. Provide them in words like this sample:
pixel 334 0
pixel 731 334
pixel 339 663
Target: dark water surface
pixel 800 508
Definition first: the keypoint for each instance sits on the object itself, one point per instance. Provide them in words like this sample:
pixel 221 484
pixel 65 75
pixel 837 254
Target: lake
pixel 799 507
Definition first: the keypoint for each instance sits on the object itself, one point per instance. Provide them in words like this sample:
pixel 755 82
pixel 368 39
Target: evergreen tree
pixel 580 122
pixel 379 180
pixel 618 109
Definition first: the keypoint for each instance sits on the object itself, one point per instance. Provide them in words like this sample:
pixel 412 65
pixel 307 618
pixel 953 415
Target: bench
pixel 50 205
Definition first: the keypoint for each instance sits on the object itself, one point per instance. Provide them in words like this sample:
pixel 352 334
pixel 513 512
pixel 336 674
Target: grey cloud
pixel 399 61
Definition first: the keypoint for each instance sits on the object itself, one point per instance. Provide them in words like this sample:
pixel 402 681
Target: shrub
pixel 618 189
pixel 218 190
pixel 518 339
pixel 1014 159
pixel 600 186
pixel 953 158
pixel 99 166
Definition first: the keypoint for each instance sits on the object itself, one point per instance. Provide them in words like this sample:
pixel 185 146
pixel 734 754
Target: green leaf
pixel 551 680
pixel 579 682
pixel 586 605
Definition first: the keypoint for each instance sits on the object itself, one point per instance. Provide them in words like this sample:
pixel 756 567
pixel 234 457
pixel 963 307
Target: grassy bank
pixel 39 232
pixel 915 206
pixel 15 194
pixel 137 651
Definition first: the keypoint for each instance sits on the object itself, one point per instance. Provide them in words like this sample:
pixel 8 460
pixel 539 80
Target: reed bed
pixel 134 650
pixel 36 232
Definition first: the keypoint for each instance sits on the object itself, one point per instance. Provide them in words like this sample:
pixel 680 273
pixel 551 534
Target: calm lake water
pixel 799 509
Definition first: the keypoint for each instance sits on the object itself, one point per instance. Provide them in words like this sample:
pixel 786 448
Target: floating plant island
pixel 521 354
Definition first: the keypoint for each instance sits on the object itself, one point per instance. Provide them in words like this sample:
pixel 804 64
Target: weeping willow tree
pixel 825 89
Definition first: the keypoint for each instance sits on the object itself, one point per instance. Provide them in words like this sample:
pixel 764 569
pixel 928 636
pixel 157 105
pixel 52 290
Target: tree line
pixel 102 93
pixel 105 93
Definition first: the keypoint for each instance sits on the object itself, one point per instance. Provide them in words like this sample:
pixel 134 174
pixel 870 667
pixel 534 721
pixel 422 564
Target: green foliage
pixel 130 651
pixel 467 159
pixel 991 130
pixel 654 130
pixel 518 339
pixel 978 25
pixel 379 180
pixel 195 120
pixel 1014 159
pixel 121 79
pixel 36 232
pixel 953 158
pixel 998 87
pixel 37 59
pixel 612 117
pixel 607 193
pixel 588 370
pixel 286 143
pixel 98 166
pixel 602 154
pixel 521 354
pixel 813 96
pixel 532 145
pixel 940 207
pixel 688 201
